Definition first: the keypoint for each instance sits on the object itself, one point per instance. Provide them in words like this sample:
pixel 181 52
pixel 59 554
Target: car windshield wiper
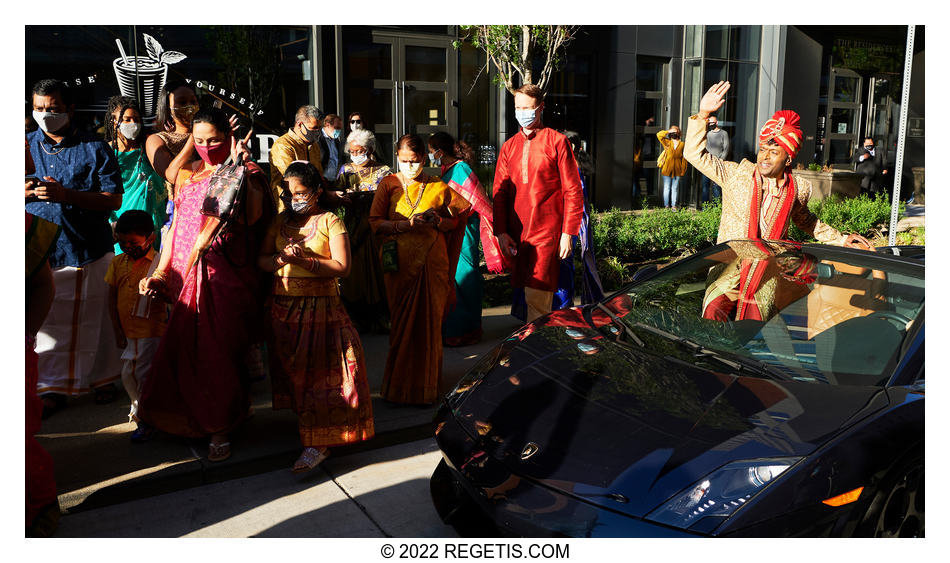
pixel 733 361
pixel 620 324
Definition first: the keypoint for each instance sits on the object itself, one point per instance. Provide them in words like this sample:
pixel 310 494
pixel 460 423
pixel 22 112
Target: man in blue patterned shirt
pixel 76 183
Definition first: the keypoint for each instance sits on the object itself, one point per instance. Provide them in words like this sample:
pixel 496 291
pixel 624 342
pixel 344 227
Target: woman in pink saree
pixel 198 386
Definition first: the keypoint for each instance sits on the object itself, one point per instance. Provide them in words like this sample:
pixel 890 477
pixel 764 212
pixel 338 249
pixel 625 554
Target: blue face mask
pixel 525 117
pixel 435 161
pixel 336 133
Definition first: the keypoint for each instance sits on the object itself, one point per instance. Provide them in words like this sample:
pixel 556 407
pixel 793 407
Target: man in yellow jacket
pixel 299 143
pixel 671 163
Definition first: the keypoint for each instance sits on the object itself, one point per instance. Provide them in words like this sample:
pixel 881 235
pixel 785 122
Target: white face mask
pixel 359 159
pixel 51 122
pixel 130 130
pixel 525 117
pixel 410 169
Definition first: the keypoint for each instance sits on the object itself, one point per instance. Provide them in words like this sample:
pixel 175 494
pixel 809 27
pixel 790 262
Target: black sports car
pixel 755 389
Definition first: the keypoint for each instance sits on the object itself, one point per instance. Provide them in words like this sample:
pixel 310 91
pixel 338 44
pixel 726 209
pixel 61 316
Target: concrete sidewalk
pixel 96 464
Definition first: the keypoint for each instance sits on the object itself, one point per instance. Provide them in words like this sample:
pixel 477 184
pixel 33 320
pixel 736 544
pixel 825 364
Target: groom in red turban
pixel 760 200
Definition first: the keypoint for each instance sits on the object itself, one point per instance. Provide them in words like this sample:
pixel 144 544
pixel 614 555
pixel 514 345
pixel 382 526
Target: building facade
pixel 618 85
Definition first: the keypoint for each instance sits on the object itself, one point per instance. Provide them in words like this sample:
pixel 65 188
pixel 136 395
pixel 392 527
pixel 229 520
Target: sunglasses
pixel 355 121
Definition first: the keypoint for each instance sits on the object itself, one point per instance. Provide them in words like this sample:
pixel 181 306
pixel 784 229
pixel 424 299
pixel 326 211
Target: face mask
pixel 360 159
pixel 215 154
pixel 525 117
pixel 869 149
pixel 410 169
pixel 51 122
pixel 300 207
pixel 135 252
pixel 712 126
pixel 435 161
pixel 356 125
pixel 130 130
pixel 309 134
pixel 336 133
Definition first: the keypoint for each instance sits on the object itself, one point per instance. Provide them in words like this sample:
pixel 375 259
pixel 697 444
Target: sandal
pixel 105 394
pixel 310 458
pixel 219 452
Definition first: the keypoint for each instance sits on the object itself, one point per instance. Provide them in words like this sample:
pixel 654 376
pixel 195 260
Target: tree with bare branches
pixel 514 49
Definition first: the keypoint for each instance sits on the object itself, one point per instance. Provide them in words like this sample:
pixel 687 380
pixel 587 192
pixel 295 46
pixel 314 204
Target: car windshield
pixel 814 313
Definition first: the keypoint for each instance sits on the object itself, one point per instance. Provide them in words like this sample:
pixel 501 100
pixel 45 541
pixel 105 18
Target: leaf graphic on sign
pixel 172 57
pixel 153 47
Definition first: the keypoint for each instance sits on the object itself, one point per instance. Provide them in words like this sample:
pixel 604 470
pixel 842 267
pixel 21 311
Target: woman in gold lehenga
pixel 419 222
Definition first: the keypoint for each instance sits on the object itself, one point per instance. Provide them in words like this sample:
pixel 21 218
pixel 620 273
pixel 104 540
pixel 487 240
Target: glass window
pixel 692 87
pixel 425 107
pixel 426 64
pixel 743 95
pixel 717 44
pixel 839 151
pixel 842 121
pixel 694 41
pixel 367 60
pixel 744 42
pixel 649 76
pixel 850 343
pixel 648 108
pixel 846 89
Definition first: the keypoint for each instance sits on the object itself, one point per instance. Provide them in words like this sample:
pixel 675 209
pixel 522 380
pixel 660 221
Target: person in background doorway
pixel 869 163
pixel 138 322
pixel 717 143
pixel 363 291
pixel 331 146
pixel 317 361
pixel 76 183
pixel 299 143
pixel 420 222
pixel 536 171
pixel 672 164
pixel 463 325
pixel 144 188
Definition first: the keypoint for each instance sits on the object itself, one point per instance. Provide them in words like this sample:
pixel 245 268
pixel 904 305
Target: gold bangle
pixel 160 275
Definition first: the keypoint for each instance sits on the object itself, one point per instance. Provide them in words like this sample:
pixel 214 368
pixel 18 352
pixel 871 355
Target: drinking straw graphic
pixel 125 58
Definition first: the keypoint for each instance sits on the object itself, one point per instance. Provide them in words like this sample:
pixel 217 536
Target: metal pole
pixel 901 134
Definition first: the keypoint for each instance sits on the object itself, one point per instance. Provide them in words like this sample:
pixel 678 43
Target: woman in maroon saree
pixel 198 386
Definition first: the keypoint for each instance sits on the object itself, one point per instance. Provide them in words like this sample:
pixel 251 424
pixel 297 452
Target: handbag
pixel 661 160
pixel 225 187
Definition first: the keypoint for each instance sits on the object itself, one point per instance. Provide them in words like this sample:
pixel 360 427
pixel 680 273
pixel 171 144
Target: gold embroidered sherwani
pixel 737 191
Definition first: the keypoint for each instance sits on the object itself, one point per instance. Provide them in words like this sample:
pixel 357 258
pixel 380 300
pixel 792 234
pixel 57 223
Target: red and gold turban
pixel 784 129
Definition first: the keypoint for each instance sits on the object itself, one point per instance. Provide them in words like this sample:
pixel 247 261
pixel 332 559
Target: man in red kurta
pixel 538 202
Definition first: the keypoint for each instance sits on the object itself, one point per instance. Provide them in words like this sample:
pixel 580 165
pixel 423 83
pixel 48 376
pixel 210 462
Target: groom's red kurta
pixel 537 196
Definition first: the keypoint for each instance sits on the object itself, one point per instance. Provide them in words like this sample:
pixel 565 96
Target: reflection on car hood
pixel 628 429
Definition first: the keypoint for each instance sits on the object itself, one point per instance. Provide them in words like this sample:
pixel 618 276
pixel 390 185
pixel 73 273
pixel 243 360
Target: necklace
pixel 286 228
pixel 61 149
pixel 405 191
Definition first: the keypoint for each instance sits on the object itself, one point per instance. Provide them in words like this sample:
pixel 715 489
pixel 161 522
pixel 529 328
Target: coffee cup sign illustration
pixel 144 74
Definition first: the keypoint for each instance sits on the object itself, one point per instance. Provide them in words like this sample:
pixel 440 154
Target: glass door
pixel 421 90
pixel 652 115
pixel 843 118
pixel 882 105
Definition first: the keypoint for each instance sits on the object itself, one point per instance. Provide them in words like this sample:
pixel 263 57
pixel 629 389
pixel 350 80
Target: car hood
pixel 626 428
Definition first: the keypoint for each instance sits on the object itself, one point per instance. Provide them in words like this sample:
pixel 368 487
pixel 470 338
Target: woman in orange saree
pixel 420 224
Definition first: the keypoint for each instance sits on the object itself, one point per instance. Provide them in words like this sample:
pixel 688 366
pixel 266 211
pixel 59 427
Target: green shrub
pixel 863 215
pixel 637 237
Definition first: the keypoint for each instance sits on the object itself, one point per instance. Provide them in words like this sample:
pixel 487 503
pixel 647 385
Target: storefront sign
pixel 233 98
pixel 144 74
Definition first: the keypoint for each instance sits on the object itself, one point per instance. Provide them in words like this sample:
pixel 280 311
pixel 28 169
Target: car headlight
pixel 715 497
